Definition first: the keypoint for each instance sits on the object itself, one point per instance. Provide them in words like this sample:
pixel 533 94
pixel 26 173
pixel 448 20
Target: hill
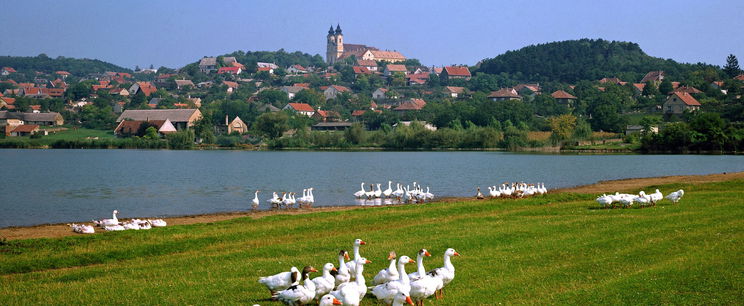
pixel 280 57
pixel 555 249
pixel 585 59
pixel 43 63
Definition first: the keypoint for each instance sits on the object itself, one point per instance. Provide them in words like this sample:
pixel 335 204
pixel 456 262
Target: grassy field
pixel 556 249
pixel 69 134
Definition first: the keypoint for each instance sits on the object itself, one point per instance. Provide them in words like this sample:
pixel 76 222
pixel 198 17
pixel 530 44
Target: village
pixel 355 84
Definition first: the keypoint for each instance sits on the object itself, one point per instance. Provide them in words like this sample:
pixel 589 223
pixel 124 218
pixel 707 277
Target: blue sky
pixel 174 33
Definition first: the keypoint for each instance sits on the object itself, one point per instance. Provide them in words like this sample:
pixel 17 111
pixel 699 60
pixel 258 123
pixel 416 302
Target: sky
pixel 175 33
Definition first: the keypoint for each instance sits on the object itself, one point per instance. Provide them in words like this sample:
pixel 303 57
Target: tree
pixel 562 126
pixel 151 133
pixel 272 124
pixel 666 87
pixel 732 66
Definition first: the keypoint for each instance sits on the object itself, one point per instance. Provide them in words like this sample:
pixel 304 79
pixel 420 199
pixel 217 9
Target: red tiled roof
pixel 305 85
pixel 301 107
pixel 325 113
pixel 504 93
pixel 9 69
pixel 611 80
pixel 417 81
pixel 230 84
pixel 690 89
pixel 62 73
pixel 455 89
pixel 396 68
pixel 341 88
pixel 35 107
pixel 739 77
pixel 366 63
pixel 639 86
pixel 147 88
pixel 387 55
pixel 26 128
pixel 181 105
pixel 531 87
pixel 231 70
pixel 9 101
pixel 299 67
pixel 412 104
pixel 358 112
pixel 560 94
pixel 418 76
pixel 361 70
pixel 653 76
pixel 686 98
pixel 267 69
pixel 457 71
pixel 383 89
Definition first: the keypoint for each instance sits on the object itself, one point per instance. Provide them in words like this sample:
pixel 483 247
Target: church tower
pixel 335 45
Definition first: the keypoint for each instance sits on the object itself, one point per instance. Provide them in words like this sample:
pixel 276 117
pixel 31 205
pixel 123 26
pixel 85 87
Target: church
pixel 337 50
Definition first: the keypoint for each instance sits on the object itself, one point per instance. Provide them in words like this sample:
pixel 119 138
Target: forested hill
pixel 47 64
pixel 585 59
pixel 280 57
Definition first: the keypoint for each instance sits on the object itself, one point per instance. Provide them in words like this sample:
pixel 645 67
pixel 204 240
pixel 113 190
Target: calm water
pixel 53 186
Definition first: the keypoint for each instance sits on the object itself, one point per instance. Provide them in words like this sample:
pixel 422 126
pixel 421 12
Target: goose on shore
pixel 255 202
pixel 281 280
pixel 108 222
pixel 479 195
pixel 361 193
pixel 676 196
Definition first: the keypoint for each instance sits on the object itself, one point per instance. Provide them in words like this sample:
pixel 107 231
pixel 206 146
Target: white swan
pixel 343 275
pixel 420 271
pixel 389 191
pixel 398 193
pixel 386 292
pixel 281 281
pixel 361 193
pixel 351 293
pixel 297 294
pixel 352 264
pixel 325 283
pixel 275 200
pixel 108 222
pixel 389 274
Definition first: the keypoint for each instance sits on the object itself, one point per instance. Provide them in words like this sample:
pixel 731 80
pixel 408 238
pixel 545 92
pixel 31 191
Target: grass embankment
pixel 545 250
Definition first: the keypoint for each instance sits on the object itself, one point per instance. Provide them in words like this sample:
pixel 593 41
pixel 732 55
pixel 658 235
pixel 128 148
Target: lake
pixel 55 186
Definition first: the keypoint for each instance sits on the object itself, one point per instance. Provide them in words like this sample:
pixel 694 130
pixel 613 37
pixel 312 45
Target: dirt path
pixel 61 230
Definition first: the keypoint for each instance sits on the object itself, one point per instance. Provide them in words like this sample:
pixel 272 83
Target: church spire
pixel 330 31
pixel 338 29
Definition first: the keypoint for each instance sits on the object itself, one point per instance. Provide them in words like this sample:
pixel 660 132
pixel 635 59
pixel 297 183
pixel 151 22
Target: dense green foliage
pixel 555 249
pixel 43 63
pixel 585 59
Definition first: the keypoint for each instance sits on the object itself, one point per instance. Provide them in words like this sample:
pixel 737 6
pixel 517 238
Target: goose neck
pixel 420 265
pixel 356 252
pixel 448 263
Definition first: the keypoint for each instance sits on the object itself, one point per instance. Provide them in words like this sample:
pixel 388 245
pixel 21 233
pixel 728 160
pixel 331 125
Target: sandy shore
pixel 61 230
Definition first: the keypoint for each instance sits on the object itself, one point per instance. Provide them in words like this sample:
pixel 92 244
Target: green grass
pixel 557 249
pixel 70 134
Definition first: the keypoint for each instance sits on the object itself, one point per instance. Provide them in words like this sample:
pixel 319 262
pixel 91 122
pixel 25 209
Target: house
pixel 739 77
pixel 361 70
pixel 391 69
pixel 196 101
pixel 564 98
pixel 455 72
pixel 184 84
pixel 327 116
pixel 43 119
pixel 454 91
pixel 504 94
pixel 229 70
pixel 297 69
pixel 231 86
pixel 638 88
pixel 231 61
pixel 25 130
pixel 291 91
pixel 119 92
pixel 411 105
pixel 272 66
pixel 301 108
pixel 380 94
pixel 62 74
pixel 267 69
pixel 653 76
pixel 384 56
pixel 612 81
pixel 331 126
pixel 687 89
pixel 425 124
pixel 678 102
pixel 357 114
pixel 146 87
pixel 267 108
pixel 181 119
pixel 334 90
pixel 128 128
pixel 528 89
pixel 638 129
pixel 236 126
pixel 37 92
pixel 208 64
pixel 154 102
pixel 58 83
pixel 369 64
pixel 7 71
pixel 417 79
pixel 304 85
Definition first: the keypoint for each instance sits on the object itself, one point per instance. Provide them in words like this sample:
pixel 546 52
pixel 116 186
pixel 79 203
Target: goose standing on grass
pixel 420 271
pixel 352 293
pixel 425 287
pixel 389 274
pixel 656 196
pixel 446 272
pixel 386 292
pixel 255 202
pixel 352 264
pixel 157 222
pixel 402 298
pixel 389 191
pixel 479 195
pixel 328 300
pixel 297 294
pixel 675 196
pixel 361 193
pixel 343 275
pixel 604 200
pixel 325 283
pixel 108 222
pixel 281 281
pixel 642 199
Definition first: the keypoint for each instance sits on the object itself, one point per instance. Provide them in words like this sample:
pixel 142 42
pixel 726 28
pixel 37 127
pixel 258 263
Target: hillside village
pixel 367 93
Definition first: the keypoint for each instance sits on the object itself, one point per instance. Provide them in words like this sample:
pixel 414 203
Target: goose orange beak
pixel 334 269
pixel 362 243
pixel 410 260
pixel 409 301
pixel 427 253
pixel 313 270
pixel 390 257
pixel 346 256
pixel 368 261
pixel 457 254
pixel 336 302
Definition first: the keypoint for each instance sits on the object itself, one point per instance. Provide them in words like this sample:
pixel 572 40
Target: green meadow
pixel 553 249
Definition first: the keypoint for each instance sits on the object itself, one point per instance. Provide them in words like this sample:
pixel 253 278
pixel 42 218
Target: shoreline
pixel 629 184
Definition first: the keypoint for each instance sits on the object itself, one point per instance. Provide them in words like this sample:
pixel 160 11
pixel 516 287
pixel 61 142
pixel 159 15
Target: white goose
pixel 82 228
pixel 402 298
pixel 275 200
pixel 343 275
pixel 425 286
pixel 446 272
pixel 325 283
pixel 158 222
pixel 310 197
pixel 389 274
pixel 398 193
pixel 115 227
pixel 493 192
pixel 352 264
pixel 281 281
pixel 479 195
pixel 386 292
pixel 389 191
pixel 656 196
pixel 419 265
pixel 676 196
pixel 255 202
pixel 352 293
pixel 328 300
pixel 361 193
pixel 297 294
pixel 428 194
pixel 108 222
pixel 378 192
pixel 371 193
pixel 605 200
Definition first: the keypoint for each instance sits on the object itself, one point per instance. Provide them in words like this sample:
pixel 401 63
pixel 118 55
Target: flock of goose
pixel 113 224
pixel 346 284
pixel 643 199
pixel 513 190
pixel 400 194
pixel 287 200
